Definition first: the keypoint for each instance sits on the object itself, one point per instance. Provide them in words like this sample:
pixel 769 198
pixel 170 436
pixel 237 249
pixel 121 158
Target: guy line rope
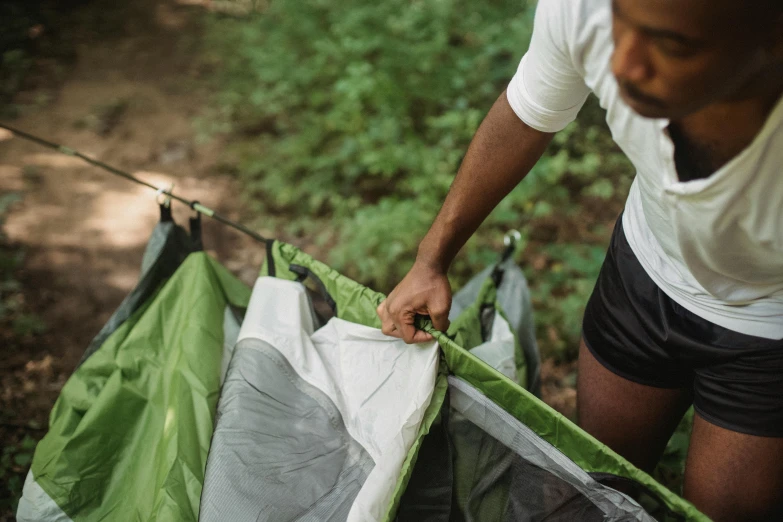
pixel 195 205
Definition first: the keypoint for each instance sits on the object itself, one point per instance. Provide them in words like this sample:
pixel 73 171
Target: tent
pixel 204 400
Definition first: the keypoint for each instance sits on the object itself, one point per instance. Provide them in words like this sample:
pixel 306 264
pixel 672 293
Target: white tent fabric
pixel 364 395
pixel 499 351
pixel 36 505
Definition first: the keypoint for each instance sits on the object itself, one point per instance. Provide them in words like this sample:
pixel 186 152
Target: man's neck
pixel 720 131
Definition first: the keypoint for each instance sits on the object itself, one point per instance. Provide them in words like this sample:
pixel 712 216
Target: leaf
pixel 23 459
pixel 28 442
pixel 602 188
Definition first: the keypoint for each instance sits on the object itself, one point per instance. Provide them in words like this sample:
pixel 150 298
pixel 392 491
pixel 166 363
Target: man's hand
pixel 424 291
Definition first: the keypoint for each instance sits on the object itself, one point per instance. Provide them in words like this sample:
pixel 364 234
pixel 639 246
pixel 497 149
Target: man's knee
pixel 733 476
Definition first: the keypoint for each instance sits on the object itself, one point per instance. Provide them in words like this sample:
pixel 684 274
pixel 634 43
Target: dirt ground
pixel 130 100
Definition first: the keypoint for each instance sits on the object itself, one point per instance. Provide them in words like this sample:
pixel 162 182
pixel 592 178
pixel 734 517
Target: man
pixel 688 308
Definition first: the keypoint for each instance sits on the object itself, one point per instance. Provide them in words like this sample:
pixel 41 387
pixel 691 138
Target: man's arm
pixel 500 155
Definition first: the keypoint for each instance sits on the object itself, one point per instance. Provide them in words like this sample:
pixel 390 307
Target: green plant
pixel 15 460
pixel 17 325
pixel 9 261
pixel 357 114
pixel 671 467
pixel 13 315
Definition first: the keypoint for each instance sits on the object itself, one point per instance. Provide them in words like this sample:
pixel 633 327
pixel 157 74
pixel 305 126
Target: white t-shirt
pixel 713 245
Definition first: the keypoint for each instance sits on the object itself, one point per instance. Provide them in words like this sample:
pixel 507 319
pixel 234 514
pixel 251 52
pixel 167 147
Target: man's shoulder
pixel 578 14
pixel 580 25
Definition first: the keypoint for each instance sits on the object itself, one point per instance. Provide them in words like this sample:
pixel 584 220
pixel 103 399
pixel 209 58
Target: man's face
pixel 673 57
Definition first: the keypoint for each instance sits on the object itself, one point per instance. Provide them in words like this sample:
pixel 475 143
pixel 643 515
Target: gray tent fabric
pixel 232 322
pixel 541 482
pixel 301 445
pixel 167 248
pixel 513 295
pixel 480 464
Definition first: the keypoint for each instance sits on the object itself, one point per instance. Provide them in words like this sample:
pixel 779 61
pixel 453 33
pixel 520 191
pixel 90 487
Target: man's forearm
pixel 501 153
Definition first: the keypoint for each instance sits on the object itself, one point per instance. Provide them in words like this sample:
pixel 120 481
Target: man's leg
pixel 633 419
pixel 732 476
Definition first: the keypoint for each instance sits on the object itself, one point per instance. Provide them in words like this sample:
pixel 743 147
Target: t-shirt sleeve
pixel 547 91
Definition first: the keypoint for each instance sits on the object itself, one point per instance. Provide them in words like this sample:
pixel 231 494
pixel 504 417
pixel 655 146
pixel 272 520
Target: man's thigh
pixel 734 469
pixel 633 419
pixel 734 476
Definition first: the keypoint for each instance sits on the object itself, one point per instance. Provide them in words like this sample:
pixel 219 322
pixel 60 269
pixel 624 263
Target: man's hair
pixel 764 17
pixel 769 11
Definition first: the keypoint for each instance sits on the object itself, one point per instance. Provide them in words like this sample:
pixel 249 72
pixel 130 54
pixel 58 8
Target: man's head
pixel 674 57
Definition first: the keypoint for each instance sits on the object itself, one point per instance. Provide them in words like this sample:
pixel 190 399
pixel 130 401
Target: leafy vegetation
pixel 358 114
pixel 34 50
pixel 15 460
pixel 671 468
pixel 17 324
pixel 15 20
pixel 14 317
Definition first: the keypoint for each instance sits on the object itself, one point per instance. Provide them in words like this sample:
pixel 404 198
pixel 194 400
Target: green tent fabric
pixel 168 246
pixel 129 434
pixel 178 414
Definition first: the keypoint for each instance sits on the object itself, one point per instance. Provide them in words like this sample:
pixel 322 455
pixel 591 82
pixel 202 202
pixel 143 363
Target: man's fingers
pixel 440 318
pixel 389 328
pixel 387 321
pixel 421 337
pixel 394 332
pixel 382 312
pixel 408 332
pixel 399 324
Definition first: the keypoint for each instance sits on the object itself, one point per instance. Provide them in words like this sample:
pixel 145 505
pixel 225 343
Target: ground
pixel 130 99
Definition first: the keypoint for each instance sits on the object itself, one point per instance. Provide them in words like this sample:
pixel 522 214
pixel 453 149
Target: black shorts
pixel 637 332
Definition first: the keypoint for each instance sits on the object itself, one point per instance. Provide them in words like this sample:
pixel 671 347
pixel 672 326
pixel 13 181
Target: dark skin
pixel 714 68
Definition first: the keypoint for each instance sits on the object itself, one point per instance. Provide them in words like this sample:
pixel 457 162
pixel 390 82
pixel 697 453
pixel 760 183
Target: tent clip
pixel 302 273
pixel 164 193
pixel 510 240
pixel 163 198
pixel 195 228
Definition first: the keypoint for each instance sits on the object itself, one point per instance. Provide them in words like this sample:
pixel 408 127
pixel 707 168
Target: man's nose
pixel 630 60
